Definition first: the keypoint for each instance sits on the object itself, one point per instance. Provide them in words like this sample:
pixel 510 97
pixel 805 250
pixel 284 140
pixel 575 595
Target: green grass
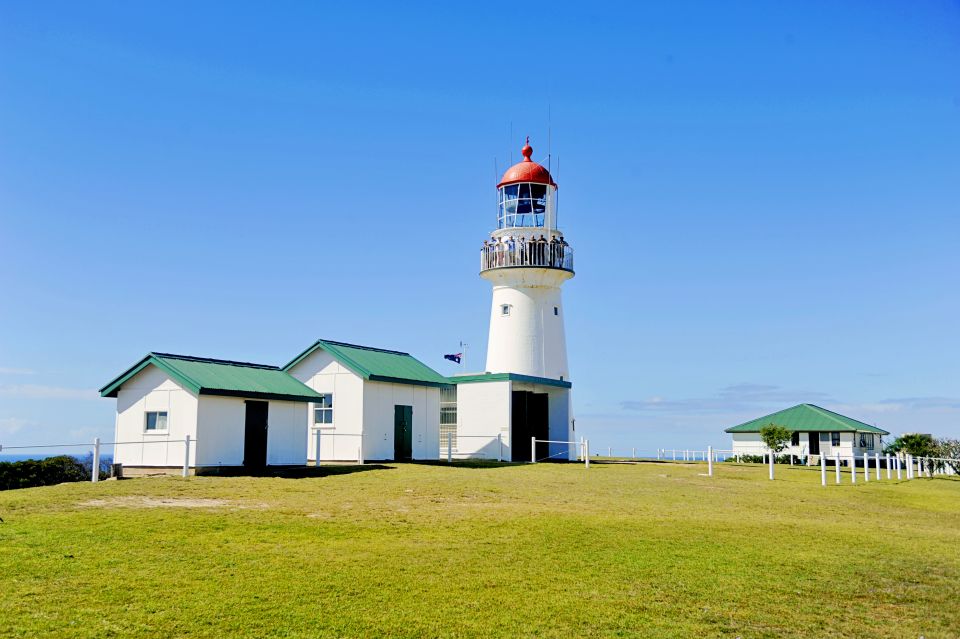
pixel 651 550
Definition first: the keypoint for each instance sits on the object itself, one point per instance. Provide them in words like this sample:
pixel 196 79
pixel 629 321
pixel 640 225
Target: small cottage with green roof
pixel 235 413
pixel 387 402
pixel 815 431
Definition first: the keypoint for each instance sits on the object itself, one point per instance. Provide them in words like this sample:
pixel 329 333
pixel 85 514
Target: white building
pixel 365 403
pixel 815 431
pixel 386 402
pixel 237 414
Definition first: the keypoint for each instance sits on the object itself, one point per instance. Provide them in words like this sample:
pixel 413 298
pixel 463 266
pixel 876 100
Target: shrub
pixel 775 437
pixel 41 472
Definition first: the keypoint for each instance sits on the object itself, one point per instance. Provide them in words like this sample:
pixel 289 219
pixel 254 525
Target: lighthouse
pixel 527 260
pixel 518 408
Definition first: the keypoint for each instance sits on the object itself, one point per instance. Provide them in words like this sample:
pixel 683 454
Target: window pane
pixel 524 191
pixel 510 192
pixel 151 421
pixel 162 421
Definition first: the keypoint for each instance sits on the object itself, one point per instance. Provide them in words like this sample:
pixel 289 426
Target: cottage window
pixel 795 438
pixel 866 440
pixel 834 439
pixel 156 421
pixel 323 409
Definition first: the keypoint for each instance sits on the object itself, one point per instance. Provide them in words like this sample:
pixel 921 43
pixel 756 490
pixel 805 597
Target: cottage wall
pixel 153 390
pixel 483 411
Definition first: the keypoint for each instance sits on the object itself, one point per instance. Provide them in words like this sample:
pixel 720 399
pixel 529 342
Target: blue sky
pixel 763 198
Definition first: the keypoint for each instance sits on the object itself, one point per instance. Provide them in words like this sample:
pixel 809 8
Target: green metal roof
pixel 376 364
pixel 513 377
pixel 807 418
pixel 221 377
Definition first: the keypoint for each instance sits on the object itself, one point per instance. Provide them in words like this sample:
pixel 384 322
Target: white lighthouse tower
pixel 519 408
pixel 527 260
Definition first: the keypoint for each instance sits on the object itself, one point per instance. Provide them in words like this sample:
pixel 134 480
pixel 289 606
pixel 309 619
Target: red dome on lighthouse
pixel 527 170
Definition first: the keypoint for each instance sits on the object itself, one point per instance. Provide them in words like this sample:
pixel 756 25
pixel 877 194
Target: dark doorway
pixel 529 418
pixel 402 432
pixel 814 443
pixel 255 435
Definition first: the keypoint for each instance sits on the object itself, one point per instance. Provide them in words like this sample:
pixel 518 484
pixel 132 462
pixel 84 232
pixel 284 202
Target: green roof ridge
pixel 207 376
pixel 375 364
pixel 797 418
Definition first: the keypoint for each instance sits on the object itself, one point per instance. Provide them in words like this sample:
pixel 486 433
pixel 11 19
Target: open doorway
pixel 530 417
pixel 255 435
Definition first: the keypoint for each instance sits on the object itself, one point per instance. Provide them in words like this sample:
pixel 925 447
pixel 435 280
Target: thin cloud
pixel 736 397
pixel 16 371
pixel 11 425
pixel 39 391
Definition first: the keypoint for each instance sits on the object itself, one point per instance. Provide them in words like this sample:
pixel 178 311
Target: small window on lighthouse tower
pixel 504 309
pixel 556 310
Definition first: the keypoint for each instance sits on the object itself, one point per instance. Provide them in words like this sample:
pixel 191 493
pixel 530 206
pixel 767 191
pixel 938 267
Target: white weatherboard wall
pixel 340 440
pixel 483 412
pixel 152 390
pixel 379 399
pixel 222 432
pixel 367 408
pixel 751 444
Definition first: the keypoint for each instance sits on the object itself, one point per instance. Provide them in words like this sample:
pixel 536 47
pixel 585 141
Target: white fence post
pixel 709 461
pixel 791 459
pixel 499 447
pixel 896 461
pixel 888 466
pixel 823 470
pixel 771 464
pixel 316 443
pixel 186 456
pixel 360 451
pixel 658 454
pixel 449 447
pixel 95 470
pixel 634 453
pixel 866 467
pixel 876 460
pixel 836 461
pixel 609 452
pixel 853 469
pixel 533 450
pixel 674 454
pixel 586 450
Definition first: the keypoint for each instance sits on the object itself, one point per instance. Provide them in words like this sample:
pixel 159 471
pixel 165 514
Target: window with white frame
pixel 504 309
pixel 834 438
pixel 866 440
pixel 156 422
pixel 323 409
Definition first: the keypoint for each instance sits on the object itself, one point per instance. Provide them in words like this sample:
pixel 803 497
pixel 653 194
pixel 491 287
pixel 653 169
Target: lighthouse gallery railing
pixel 512 253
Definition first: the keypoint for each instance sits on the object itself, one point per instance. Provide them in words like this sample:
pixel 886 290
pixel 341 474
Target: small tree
pixel 950 449
pixel 775 437
pixel 913 444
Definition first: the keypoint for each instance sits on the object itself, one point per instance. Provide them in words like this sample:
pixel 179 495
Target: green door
pixel 402 432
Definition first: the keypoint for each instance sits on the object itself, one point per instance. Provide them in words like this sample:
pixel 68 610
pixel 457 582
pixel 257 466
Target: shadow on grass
pixel 296 472
pixel 465 463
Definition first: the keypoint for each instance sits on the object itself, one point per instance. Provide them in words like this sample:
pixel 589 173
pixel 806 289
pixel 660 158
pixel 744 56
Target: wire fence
pixel 96 449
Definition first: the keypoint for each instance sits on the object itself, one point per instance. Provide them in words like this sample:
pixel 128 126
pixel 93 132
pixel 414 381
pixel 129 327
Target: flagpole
pixel 464 357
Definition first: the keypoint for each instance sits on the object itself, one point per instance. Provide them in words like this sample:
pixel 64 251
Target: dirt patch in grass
pixel 156 502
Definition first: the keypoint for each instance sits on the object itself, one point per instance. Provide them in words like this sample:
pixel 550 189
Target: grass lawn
pixel 650 550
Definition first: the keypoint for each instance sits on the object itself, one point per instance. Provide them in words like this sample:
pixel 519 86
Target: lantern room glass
pixel 523 204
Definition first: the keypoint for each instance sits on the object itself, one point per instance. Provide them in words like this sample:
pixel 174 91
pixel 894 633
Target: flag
pixel 454 357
